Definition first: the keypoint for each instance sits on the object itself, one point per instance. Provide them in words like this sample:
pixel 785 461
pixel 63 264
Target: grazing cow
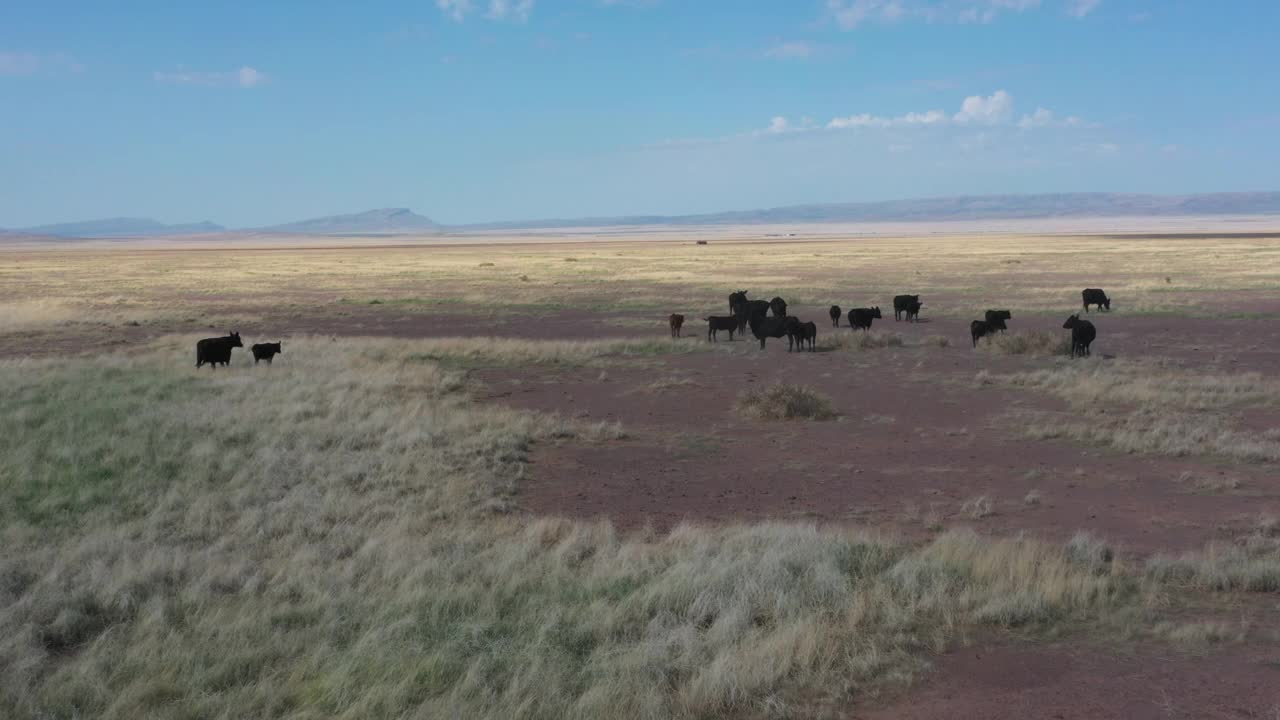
pixel 763 326
pixel 913 311
pixel 901 303
pixel 778 306
pixel 862 317
pixel 676 321
pixel 806 332
pixel 835 314
pixel 996 318
pixel 217 350
pixel 1094 296
pixel 1082 334
pixel 979 329
pixel 736 299
pixel 265 351
pixel 716 323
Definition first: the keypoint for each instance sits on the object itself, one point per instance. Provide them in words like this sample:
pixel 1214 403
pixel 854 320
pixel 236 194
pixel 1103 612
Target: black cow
pixel 1082 334
pixel 217 350
pixel 736 299
pixel 676 321
pixel 835 314
pixel 716 323
pixel 862 317
pixel 806 332
pixel 265 351
pixel 1094 296
pixel 901 303
pixel 996 318
pixel 979 329
pixel 778 306
pixel 763 326
pixel 913 311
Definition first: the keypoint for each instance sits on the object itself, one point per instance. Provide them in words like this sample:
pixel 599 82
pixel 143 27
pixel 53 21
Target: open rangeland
pixel 484 481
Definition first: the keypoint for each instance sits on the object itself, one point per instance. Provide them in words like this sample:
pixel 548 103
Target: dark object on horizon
pixel 701 242
pixel 835 314
pixel 676 321
pixel 217 350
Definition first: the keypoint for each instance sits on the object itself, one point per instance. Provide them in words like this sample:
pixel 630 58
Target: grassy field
pixel 337 536
pixel 46 288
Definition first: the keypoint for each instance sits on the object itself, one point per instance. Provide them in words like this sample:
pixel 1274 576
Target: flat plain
pixel 482 480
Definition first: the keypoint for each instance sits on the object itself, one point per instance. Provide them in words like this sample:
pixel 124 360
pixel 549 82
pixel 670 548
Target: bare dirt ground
pixel 916 443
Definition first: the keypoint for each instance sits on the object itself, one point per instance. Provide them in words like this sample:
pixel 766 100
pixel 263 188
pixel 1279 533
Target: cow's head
pixel 235 339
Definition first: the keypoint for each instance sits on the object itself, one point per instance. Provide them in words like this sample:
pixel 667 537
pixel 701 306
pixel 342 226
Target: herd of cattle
pixel 755 314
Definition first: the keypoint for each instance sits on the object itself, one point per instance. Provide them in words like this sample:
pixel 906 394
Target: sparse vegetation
pixel 977 507
pixel 1151 407
pixel 784 402
pixel 855 340
pixel 1025 343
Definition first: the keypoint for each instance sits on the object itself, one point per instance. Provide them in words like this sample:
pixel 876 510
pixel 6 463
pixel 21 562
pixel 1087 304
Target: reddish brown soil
pixel 915 440
pixel 1084 681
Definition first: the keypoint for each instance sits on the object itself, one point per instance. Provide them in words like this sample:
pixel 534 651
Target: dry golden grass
pixel 329 537
pixel 1151 407
pixel 1025 343
pixel 784 402
pixel 216 286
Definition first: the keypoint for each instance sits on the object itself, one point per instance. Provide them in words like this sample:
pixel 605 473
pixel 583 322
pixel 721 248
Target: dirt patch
pixel 916 439
pixel 1087 681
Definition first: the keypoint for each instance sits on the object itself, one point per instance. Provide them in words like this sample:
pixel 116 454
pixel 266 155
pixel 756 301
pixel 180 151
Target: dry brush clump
pixel 1036 342
pixel 784 401
pixel 856 340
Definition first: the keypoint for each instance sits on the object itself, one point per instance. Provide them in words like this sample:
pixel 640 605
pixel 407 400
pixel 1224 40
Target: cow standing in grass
pixel 1095 296
pixel 217 350
pixel 1082 334
pixel 979 329
pixel 835 314
pixel 266 351
pixel 779 307
pixel 676 321
pixel 716 323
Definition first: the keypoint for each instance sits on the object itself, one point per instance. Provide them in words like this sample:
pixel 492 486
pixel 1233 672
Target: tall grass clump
pixel 784 401
pixel 1036 342
pixel 858 340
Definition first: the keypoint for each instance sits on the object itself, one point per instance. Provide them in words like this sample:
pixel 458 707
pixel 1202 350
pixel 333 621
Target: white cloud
pixel 790 50
pixel 515 10
pixel 1080 8
pixel 778 124
pixel 28 63
pixel 1042 118
pixel 994 110
pixel 851 14
pixel 931 117
pixel 245 77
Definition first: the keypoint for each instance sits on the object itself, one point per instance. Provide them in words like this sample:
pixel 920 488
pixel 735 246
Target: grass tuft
pixel 1025 343
pixel 784 402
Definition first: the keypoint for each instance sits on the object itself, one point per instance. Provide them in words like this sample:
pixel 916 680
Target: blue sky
pixel 252 113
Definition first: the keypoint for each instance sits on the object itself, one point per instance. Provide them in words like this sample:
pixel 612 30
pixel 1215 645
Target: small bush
pixel 938 341
pixel 859 340
pixel 1032 498
pixel 978 507
pixel 1090 552
pixel 1027 343
pixel 785 402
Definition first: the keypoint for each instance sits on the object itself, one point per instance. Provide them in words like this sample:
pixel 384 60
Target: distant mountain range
pixel 975 207
pixel 386 220
pixel 120 227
